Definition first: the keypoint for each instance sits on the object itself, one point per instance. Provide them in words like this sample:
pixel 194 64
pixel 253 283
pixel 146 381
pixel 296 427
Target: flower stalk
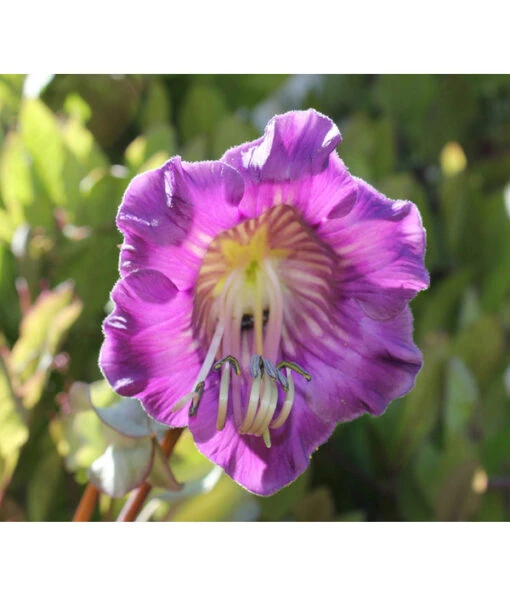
pixel 87 504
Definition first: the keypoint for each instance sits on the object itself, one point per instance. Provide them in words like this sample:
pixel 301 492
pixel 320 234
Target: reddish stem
pixel 87 504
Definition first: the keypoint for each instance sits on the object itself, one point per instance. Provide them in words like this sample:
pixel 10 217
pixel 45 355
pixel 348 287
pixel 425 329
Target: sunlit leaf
pixel 121 469
pixel 315 506
pixel 228 501
pixel 187 462
pixel 14 431
pixel 17 185
pixel 41 135
pixel 42 330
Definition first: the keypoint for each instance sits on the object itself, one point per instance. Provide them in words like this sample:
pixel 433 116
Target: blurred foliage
pixel 66 157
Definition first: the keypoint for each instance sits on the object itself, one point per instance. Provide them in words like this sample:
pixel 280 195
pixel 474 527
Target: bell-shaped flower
pixel 264 298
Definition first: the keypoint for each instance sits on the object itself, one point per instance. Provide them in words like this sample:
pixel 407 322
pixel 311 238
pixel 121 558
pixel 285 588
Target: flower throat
pixel 248 274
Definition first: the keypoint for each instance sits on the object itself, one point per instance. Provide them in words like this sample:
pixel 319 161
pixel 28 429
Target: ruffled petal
pixel 381 246
pixel 149 351
pixel 294 163
pixel 246 459
pixel 170 215
pixel 358 364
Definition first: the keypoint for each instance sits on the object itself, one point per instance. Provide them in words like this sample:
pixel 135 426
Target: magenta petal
pixel 381 245
pixel 358 365
pixel 294 163
pixel 246 459
pixel 170 215
pixel 148 351
pixel 294 144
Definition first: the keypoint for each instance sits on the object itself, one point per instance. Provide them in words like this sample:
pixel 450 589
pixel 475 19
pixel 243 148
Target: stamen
pixel 228 359
pixel 252 405
pixel 282 380
pixel 296 368
pixel 196 393
pixel 183 401
pixel 256 367
pixel 264 404
pixel 199 391
pixel 287 404
pixel 264 424
pixel 267 438
pixel 223 400
pixel 211 352
pixel 270 368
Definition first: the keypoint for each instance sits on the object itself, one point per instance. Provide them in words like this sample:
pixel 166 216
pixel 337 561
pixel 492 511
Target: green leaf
pixel 315 506
pixel 128 417
pixel 14 432
pixel 411 499
pixel 44 481
pixel 9 302
pixel 101 194
pixel 203 107
pixel 247 90
pixel 187 462
pixel 157 106
pixel 279 506
pixel 470 309
pixel 228 501
pixel 161 474
pixel 17 186
pixel 486 331
pixel 456 500
pixel 77 108
pixel 78 433
pixel 11 89
pixel 81 143
pixel 42 330
pixel 462 396
pixel 440 304
pixel 230 131
pixel 41 135
pixel 368 147
pixel 92 263
pixel 121 469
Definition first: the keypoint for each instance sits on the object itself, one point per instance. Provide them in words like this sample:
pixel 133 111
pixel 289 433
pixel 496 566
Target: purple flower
pixel 264 298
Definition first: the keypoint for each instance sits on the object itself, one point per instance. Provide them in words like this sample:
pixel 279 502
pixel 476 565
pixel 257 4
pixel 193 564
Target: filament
pixel 287 404
pixel 223 400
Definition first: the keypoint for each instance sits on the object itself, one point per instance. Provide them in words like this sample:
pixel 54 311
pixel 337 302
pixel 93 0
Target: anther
pixel 282 380
pixel 231 359
pixel 296 368
pixel 198 392
pixel 256 366
pixel 269 368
